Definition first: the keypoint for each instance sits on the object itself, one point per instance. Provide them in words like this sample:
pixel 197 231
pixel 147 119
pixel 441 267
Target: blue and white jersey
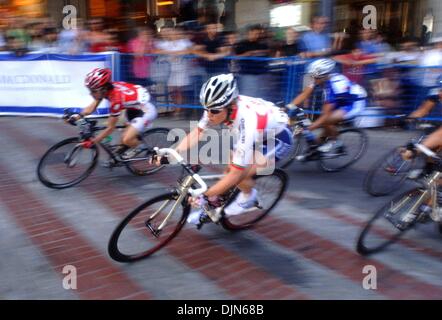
pixel 341 92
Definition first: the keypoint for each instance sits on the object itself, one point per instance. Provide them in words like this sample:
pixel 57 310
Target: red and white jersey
pixel 253 119
pixel 127 96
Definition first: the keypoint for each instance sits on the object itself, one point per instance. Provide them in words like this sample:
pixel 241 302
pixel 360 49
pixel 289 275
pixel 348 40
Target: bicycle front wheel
pixel 139 235
pixel 354 145
pixel 157 137
pixel 382 230
pixel 389 173
pixel 66 164
pixel 300 146
pixel 270 190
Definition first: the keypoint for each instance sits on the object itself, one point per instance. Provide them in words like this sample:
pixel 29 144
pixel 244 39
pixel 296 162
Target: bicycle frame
pixel 182 191
pixel 429 195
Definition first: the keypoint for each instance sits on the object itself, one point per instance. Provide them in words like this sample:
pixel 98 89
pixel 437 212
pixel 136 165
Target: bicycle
pixel 67 163
pixel 153 224
pixel 353 145
pixel 390 172
pixel 404 212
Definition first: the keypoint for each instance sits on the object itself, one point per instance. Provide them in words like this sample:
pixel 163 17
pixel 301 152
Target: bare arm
pixel 326 111
pixel 112 123
pixel 90 108
pixel 423 110
pixel 253 53
pixel 304 95
pixel 317 54
pixel 343 60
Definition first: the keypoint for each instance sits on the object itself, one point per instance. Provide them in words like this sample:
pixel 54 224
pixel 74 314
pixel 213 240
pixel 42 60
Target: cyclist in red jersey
pixel 122 96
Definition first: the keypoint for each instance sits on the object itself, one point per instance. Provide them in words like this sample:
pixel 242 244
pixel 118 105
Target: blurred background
pixel 174 46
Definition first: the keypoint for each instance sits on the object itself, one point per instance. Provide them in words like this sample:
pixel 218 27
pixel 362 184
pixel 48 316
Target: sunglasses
pixel 213 111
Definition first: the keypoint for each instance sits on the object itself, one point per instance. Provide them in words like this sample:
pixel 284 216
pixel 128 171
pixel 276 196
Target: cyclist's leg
pixel 261 162
pixel 130 135
pixel 247 183
pixel 434 140
pixel 330 129
pixel 138 126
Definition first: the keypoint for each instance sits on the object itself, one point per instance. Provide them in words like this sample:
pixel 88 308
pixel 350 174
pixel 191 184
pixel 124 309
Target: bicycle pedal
pixel 204 219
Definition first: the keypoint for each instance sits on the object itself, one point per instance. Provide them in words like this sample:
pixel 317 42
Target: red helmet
pixel 98 78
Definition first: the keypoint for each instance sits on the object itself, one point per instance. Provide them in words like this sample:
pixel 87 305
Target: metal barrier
pixel 175 81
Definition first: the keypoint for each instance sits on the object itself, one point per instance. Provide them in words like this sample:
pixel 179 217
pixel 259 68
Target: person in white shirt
pixel 251 121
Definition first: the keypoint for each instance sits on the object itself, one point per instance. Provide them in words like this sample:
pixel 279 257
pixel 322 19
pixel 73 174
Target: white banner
pixel 46 86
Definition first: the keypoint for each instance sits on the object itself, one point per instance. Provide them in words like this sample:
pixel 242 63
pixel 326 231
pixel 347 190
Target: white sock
pixel 243 197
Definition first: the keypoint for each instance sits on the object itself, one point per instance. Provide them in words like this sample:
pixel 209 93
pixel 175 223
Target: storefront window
pixel 29 8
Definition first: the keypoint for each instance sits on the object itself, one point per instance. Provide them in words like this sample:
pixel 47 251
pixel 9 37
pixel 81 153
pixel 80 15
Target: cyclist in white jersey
pixel 251 120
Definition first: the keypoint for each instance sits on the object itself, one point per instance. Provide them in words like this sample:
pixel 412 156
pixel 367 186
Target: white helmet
pixel 219 91
pixel 321 68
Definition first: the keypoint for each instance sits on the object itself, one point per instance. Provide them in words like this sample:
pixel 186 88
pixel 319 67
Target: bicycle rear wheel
pixel 354 145
pixel 66 164
pixel 389 173
pixel 157 137
pixel 137 236
pixel 381 230
pixel 270 190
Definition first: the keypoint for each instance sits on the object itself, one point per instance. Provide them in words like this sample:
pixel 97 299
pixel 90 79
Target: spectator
pixel 36 32
pixel 409 52
pixel 371 44
pixel 430 67
pixel 18 38
pixel 212 49
pixel 291 45
pixel 317 43
pixel 425 36
pixel 50 36
pixel 354 63
pixel 107 41
pixel 367 41
pixel 140 47
pixel 175 44
pixel 95 35
pixel 231 41
pixel 73 41
pixel 252 71
pixel 2 42
pixel 409 75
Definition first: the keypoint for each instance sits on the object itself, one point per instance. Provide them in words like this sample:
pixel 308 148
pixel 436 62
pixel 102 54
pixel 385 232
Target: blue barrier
pixel 175 81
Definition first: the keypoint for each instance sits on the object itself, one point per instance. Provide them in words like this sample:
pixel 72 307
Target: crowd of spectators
pixel 367 62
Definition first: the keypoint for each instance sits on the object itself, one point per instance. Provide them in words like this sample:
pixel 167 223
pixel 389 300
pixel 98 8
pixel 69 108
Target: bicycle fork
pixel 182 191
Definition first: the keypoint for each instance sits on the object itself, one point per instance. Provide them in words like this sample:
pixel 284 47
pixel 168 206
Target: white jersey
pixel 253 120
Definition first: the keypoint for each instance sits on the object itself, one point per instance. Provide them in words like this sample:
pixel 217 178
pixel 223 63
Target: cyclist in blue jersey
pixel 434 140
pixel 343 101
